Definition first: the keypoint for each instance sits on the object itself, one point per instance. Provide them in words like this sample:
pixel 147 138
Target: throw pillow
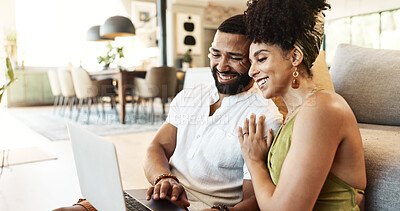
pixel 369 81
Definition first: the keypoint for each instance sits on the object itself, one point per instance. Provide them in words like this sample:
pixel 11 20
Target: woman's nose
pixel 253 71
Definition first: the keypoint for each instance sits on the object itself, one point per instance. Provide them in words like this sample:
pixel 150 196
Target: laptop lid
pixel 98 173
pixel 97 167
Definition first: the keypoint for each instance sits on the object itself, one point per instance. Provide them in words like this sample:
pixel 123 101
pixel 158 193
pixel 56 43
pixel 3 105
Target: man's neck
pixel 216 105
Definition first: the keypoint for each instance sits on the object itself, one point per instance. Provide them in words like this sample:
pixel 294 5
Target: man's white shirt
pixel 207 158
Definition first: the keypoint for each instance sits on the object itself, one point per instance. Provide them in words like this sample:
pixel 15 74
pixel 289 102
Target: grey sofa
pixel 369 80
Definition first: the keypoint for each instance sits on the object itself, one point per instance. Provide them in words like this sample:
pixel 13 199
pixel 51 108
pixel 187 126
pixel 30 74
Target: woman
pixel 316 160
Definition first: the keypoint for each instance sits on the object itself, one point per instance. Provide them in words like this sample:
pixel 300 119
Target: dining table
pixel 122 77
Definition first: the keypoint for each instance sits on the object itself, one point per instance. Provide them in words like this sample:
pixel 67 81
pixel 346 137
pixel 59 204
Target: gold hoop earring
pixel 295 82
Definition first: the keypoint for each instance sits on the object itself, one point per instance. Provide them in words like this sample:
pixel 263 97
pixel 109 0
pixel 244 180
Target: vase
pixel 185 66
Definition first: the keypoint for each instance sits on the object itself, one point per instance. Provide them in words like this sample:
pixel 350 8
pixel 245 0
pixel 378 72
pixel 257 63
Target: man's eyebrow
pixel 235 54
pixel 230 53
pixel 259 51
pixel 216 50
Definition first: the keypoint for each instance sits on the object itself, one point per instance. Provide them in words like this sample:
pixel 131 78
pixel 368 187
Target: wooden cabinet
pixel 32 88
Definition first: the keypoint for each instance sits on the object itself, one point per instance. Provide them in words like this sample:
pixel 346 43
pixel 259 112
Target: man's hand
pixel 71 208
pixel 170 189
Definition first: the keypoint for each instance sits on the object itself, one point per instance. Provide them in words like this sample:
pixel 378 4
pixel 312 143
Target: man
pixel 195 157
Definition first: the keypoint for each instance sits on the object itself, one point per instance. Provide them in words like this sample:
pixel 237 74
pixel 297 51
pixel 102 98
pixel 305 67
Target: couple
pixel 315 161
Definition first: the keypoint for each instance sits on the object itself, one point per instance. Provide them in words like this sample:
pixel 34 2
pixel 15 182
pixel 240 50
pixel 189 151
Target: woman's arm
pixel 315 139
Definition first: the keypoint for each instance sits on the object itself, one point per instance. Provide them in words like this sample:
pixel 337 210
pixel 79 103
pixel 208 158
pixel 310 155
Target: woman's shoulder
pixel 326 101
pixel 323 117
pixel 324 106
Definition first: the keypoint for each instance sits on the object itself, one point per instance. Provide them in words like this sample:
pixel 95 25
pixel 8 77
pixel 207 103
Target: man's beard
pixel 242 81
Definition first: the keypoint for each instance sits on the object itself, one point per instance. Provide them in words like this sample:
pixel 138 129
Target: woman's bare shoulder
pixel 326 112
pixel 326 103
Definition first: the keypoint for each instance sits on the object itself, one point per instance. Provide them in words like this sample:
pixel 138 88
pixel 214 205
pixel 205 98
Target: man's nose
pixel 223 65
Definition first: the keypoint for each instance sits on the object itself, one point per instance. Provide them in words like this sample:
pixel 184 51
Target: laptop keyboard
pixel 134 205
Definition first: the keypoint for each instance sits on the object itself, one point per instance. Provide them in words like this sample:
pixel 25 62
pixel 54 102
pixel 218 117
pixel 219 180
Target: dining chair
pixel 160 82
pixel 55 89
pixel 92 91
pixel 67 89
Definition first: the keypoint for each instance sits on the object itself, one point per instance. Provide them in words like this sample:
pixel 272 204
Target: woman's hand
pixel 254 144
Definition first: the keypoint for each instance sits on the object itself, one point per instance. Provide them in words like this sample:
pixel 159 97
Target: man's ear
pixel 296 57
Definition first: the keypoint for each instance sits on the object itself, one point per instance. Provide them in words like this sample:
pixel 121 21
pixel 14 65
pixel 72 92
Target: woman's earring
pixel 295 82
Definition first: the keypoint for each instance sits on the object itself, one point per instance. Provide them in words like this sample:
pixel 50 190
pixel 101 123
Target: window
pixel 53 33
pixel 376 30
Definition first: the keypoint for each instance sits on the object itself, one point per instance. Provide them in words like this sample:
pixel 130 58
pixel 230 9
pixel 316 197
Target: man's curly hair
pixel 281 22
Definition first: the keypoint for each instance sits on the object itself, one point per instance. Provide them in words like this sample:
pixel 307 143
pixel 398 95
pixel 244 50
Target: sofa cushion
pixel 320 71
pixel 369 81
pixel 321 78
pixel 382 161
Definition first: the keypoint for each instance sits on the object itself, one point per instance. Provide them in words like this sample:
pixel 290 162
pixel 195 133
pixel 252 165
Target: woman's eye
pixel 262 59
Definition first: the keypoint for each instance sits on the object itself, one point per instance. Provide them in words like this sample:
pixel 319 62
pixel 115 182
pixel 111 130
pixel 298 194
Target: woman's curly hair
pixel 281 22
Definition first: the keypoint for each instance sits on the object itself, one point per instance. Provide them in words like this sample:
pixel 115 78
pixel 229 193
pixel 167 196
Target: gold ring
pixel 245 133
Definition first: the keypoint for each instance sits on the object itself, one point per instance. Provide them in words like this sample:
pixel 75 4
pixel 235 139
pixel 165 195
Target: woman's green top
pixel 335 194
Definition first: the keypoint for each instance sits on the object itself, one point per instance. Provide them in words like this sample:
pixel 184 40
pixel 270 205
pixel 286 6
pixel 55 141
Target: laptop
pixel 99 177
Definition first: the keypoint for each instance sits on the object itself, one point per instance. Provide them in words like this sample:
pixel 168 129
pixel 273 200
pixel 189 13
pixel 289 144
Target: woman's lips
pixel 262 82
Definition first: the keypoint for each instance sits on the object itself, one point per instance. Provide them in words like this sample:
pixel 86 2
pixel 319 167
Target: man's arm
pixel 159 152
pixel 249 199
pixel 157 162
pixel 249 202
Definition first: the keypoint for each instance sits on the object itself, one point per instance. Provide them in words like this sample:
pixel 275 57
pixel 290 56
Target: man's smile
pixel 226 78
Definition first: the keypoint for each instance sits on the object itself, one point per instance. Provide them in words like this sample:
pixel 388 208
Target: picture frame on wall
pixel 144 16
pixel 188 33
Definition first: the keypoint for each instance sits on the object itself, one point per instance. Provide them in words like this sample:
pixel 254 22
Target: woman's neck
pixel 294 98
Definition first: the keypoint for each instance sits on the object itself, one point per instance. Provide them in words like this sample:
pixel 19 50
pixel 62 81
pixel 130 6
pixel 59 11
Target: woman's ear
pixel 296 56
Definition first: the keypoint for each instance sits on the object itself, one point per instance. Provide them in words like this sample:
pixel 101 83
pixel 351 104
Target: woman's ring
pixel 245 133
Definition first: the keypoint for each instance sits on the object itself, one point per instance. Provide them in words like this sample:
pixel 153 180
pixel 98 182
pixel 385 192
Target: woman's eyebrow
pixel 259 51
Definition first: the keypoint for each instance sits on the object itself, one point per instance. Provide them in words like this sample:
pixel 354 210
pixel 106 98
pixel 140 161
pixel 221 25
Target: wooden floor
pixel 50 184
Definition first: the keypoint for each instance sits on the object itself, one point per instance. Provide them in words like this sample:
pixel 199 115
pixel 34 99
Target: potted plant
pixel 9 78
pixel 186 60
pixel 11 46
pixel 111 55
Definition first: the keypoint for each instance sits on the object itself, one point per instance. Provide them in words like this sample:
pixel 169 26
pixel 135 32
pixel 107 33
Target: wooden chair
pixel 160 82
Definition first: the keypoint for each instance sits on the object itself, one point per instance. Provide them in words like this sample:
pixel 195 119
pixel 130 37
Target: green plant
pixel 187 57
pixel 111 55
pixel 10 77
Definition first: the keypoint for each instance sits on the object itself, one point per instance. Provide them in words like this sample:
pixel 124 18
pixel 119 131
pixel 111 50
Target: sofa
pixel 369 80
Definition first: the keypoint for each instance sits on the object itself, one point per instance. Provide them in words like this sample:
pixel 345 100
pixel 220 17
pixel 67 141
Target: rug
pixel 24 155
pixel 54 125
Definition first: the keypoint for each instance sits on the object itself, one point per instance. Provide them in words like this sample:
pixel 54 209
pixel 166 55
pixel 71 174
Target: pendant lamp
pixel 117 26
pixel 93 34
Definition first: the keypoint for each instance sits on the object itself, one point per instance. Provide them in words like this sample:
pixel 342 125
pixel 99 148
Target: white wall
pixel 345 8
pixel 192 7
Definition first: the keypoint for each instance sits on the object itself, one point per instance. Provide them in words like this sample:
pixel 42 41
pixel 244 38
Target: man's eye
pixel 237 58
pixel 215 55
